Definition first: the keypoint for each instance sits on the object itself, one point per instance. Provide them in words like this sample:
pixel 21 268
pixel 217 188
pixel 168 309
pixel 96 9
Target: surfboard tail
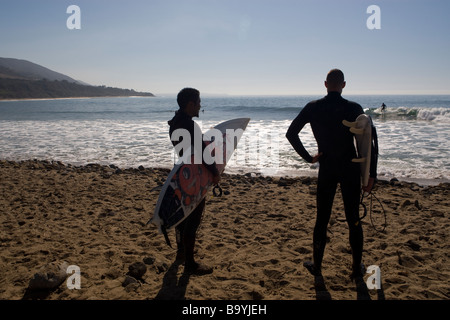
pixel 166 236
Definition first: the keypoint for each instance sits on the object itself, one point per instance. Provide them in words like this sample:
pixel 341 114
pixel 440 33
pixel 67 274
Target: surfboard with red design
pixel 188 183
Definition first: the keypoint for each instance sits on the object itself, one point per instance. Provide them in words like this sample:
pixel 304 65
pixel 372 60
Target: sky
pixel 236 47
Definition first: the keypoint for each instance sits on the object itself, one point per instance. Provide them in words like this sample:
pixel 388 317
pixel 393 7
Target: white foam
pixel 408 149
pixel 434 114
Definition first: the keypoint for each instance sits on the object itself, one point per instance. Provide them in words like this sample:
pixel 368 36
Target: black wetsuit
pixel 335 142
pixel 182 120
pixel 186 230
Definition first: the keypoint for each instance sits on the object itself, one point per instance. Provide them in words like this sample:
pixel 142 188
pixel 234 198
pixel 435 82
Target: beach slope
pixel 256 236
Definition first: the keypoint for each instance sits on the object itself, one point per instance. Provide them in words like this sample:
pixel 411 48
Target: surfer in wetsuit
pixel 336 150
pixel 189 106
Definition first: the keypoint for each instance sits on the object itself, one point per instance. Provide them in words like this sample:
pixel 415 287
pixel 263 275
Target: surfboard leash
pixel 372 195
pixel 361 202
pixel 371 213
pixel 217 191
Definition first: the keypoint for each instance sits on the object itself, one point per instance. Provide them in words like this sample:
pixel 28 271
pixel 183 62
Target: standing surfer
pixel 336 150
pixel 189 106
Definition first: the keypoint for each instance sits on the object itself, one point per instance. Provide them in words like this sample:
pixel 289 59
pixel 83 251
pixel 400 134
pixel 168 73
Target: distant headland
pixel 21 79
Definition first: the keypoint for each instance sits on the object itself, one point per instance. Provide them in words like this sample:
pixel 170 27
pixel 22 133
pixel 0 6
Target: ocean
pixel 413 133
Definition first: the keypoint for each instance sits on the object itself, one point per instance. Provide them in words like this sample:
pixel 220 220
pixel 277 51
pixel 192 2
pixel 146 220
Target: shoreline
pixel 291 174
pixel 256 237
pixel 73 98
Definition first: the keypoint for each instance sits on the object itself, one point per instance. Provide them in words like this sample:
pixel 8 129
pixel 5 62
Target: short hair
pixel 335 77
pixel 187 95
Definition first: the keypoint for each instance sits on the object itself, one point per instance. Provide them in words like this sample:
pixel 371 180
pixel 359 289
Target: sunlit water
pixel 413 132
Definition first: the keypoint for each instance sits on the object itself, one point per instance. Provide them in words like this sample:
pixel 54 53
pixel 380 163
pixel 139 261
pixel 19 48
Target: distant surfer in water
pixel 336 150
pixel 189 106
pixel 383 107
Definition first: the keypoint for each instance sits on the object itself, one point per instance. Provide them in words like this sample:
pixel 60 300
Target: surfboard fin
pixel 352 126
pixel 166 237
pixel 349 124
pixel 356 131
pixel 359 160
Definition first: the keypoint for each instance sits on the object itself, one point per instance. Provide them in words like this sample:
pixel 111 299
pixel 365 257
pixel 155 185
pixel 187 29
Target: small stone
pixel 161 267
pixel 417 204
pixel 149 260
pixel 406 203
pixel 49 276
pixel 393 181
pixel 129 280
pixel 137 270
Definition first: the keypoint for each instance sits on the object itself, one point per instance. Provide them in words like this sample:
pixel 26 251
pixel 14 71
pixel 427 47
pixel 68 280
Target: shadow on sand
pixel 362 292
pixel 173 288
pixel 322 292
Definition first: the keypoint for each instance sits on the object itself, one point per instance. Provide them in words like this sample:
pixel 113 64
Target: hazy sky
pixel 237 47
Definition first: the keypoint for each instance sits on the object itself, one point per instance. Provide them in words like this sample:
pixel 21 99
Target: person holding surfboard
pixel 189 101
pixel 336 152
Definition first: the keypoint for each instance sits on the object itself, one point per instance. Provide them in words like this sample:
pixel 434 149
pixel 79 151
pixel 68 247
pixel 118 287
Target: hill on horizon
pixel 25 70
pixel 22 79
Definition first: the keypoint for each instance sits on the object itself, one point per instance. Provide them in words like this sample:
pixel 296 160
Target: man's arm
pixel 292 135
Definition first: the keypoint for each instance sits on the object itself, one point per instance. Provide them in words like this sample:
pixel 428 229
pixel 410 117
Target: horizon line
pixel 207 94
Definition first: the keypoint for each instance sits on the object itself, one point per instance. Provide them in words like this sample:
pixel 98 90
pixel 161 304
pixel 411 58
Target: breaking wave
pixel 406 113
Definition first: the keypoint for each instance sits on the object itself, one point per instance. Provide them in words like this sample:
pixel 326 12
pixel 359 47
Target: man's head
pixel 189 101
pixel 335 81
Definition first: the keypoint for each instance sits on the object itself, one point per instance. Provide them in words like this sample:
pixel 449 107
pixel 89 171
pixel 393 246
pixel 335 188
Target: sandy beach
pixel 256 236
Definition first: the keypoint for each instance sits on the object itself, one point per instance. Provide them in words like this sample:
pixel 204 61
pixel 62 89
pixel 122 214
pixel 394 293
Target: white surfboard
pixel 188 184
pixel 362 129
